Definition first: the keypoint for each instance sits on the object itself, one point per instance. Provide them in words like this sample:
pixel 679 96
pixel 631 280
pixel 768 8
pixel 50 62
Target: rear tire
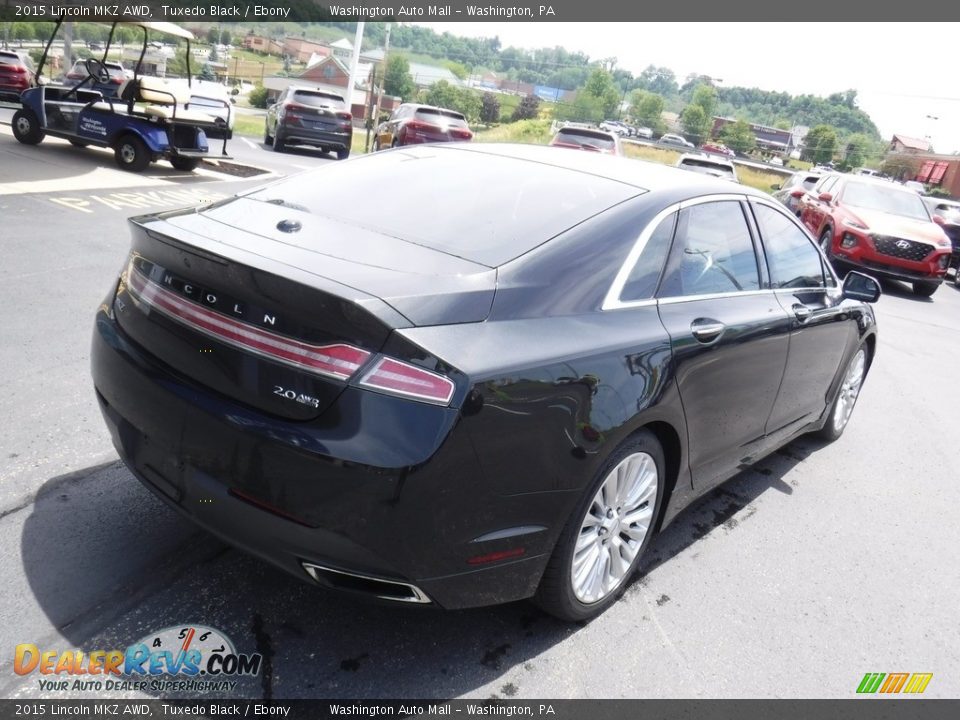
pixel 343 154
pixel 26 127
pixel 185 164
pixel 267 137
pixel 607 534
pixel 924 289
pixel 847 394
pixel 278 144
pixel 132 154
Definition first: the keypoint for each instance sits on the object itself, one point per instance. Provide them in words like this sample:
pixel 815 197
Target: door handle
pixel 706 330
pixel 802 312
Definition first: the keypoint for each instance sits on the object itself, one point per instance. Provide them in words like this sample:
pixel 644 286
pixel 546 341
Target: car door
pixel 728 334
pixel 814 211
pixel 821 331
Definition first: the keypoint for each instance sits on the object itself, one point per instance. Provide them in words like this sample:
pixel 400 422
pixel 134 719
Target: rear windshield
pixel 481 207
pixel 585 138
pixel 319 99
pixel 446 117
pixel 10 58
pixel 707 168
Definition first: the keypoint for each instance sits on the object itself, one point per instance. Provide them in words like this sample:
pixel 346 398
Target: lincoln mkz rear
pixel 434 402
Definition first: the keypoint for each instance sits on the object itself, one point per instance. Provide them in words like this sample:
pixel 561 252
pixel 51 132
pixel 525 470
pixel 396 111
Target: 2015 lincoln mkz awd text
pixel 496 382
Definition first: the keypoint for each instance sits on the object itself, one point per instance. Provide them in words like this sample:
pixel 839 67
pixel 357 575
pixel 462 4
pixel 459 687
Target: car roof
pixel 641 174
pixel 422 106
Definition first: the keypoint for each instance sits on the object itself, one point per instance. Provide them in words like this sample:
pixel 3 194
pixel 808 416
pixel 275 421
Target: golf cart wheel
pixel 343 154
pixel 185 164
pixel 26 127
pixel 131 153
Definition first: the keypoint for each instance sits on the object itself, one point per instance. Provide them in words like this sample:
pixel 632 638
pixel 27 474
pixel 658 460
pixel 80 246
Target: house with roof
pixel 262 44
pixel 330 74
pixel 909 145
pixel 342 49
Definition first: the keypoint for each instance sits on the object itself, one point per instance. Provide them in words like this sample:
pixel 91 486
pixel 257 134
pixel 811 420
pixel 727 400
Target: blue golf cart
pixel 148 119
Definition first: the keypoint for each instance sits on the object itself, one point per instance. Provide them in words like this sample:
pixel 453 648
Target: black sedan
pixel 496 382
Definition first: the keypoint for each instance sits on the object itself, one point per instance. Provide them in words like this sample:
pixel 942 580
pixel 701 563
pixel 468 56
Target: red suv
pixel 16 74
pixel 878 227
pixel 412 124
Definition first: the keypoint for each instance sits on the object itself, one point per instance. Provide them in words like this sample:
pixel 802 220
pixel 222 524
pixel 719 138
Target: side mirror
pixel 938 219
pixel 825 197
pixel 858 286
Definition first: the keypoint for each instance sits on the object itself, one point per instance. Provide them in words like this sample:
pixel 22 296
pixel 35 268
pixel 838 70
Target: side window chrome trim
pixel 674 299
pixel 611 300
pixel 825 262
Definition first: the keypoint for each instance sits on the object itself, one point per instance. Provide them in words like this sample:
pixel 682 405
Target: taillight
pixel 418 126
pixel 339 361
pixel 399 378
pixel 462 134
pixel 116 80
pixel 344 116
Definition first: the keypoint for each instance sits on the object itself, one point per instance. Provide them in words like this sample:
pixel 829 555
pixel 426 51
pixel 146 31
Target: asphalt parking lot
pixel 794 579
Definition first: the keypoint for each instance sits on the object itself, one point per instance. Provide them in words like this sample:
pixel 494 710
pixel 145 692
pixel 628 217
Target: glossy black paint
pixel 548 382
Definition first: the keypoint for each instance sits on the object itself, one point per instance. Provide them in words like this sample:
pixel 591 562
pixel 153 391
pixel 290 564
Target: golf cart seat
pixel 162 100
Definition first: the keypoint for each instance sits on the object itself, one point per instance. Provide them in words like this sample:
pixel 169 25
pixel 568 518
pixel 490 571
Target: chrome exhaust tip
pixel 377 587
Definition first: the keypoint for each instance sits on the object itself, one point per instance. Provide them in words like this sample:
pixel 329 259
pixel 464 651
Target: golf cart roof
pixel 162 27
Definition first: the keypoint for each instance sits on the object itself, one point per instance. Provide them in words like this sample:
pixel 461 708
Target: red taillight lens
pixel 418 126
pixel 344 116
pixel 338 361
pixel 400 378
pixel 462 134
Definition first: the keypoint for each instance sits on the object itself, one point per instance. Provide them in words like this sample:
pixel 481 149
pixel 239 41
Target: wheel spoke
pixel 614 527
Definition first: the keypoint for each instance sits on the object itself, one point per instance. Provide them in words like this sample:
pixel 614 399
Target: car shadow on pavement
pixel 109 564
pixel 902 290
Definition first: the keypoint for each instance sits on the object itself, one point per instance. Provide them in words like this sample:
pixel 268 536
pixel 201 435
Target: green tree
pixel 258 97
pixel 857 148
pixel 646 109
pixel 820 144
pixel 528 109
pixel 490 108
pixel 206 73
pixel 443 94
pixel 397 79
pixel 738 136
pixel 706 97
pixel 585 109
pixel 899 167
pixel 213 55
pixel 695 123
pixel 602 93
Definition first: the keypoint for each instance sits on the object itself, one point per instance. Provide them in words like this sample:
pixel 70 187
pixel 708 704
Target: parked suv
pixel 413 124
pixel 946 214
pixel 580 138
pixel 302 116
pixel 795 187
pixel 16 74
pixel 109 88
pixel 708 165
pixel 877 226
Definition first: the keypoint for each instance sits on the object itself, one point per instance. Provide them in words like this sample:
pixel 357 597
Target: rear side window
pixel 712 253
pixel 793 260
pixel 642 282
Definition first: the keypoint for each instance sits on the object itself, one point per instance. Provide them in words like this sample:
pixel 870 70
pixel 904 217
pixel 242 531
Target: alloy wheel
pixel 614 527
pixel 849 390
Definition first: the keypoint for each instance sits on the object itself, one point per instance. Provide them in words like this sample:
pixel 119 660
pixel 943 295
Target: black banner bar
pixel 855 709
pixel 735 11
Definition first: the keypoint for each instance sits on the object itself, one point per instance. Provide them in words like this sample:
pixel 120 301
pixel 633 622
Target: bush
pixel 528 109
pixel 258 97
pixel 490 108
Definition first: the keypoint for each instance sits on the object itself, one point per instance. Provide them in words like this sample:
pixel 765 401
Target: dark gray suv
pixel 303 116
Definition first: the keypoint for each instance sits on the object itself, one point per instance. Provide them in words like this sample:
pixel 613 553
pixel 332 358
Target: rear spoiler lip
pixel 192 242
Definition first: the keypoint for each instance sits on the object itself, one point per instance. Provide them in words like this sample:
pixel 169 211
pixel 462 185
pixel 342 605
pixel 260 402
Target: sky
pixel 903 72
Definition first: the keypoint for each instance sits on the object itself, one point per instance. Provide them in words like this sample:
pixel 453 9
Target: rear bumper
pixel 265 485
pixel 317 138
